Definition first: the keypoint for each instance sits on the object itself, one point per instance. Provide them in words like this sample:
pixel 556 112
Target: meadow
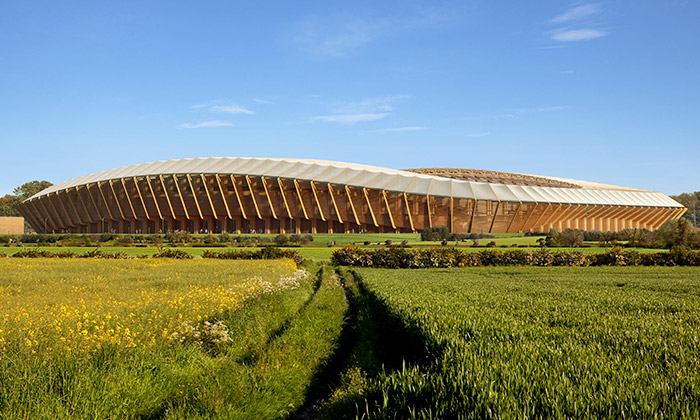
pixel 528 342
pixel 161 338
pixel 265 339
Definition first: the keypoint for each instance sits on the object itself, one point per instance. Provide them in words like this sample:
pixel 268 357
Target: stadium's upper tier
pixel 501 186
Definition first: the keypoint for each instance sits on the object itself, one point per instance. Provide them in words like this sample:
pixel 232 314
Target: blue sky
pixel 603 91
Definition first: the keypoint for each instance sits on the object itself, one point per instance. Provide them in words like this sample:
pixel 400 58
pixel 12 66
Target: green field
pixel 206 339
pixel 527 342
pixel 146 339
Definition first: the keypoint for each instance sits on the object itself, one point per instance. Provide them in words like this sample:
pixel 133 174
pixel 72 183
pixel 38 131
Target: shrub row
pixel 41 253
pixel 451 257
pixel 261 254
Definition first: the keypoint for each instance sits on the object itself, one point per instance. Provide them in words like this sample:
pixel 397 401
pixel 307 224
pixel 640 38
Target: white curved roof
pixel 365 176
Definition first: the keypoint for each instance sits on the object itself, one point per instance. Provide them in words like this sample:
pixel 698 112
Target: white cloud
pixel 398 129
pixel 231 109
pixel 577 35
pixel 577 13
pixel 350 118
pixel 338 35
pixel 373 104
pixel 263 101
pixel 205 124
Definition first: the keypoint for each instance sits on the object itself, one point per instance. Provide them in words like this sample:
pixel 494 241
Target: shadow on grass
pixel 373 341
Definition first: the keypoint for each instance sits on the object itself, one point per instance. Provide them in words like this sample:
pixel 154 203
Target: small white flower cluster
pixel 208 335
pixel 293 281
pixel 264 287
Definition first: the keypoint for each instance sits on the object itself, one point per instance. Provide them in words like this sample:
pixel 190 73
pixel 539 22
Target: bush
pixel 281 239
pixel 179 237
pixel 571 237
pixel 172 253
pixel 435 234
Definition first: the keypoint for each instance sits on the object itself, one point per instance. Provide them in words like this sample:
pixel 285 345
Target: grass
pixel 528 342
pixel 162 339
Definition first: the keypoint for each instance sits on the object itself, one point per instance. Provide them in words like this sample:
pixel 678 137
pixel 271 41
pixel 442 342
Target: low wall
pixel 11 225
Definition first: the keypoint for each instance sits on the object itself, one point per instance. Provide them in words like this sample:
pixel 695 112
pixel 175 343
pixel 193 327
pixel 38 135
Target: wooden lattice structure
pixel 244 195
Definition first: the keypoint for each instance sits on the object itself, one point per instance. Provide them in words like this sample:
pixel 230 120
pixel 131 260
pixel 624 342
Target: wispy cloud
pixel 231 109
pixel 577 35
pixel 263 101
pixel 205 124
pixel 372 104
pixel 582 15
pixel 577 13
pixel 350 119
pixel 336 36
pixel 398 129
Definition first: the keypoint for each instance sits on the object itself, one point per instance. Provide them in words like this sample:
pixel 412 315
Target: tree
pixel 28 189
pixel 9 203
pixel 691 201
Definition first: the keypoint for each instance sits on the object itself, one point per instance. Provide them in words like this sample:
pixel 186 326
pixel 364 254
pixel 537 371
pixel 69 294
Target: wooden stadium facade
pixel 246 195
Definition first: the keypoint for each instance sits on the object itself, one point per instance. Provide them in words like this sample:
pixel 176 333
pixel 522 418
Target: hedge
pixel 451 257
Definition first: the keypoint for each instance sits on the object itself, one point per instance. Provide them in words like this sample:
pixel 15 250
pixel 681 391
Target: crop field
pixel 529 342
pixel 161 338
pixel 264 339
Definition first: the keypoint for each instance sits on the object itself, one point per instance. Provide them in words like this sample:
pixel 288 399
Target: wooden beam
pixel 167 197
pixel 223 196
pixel 430 213
pixel 75 210
pixel 471 219
pixel 269 200
pixel 153 194
pixel 517 211
pixel 335 206
pixel 537 221
pixel 408 211
pixel 252 196
pixel 65 209
pixel 55 224
pixel 143 203
pixel 206 190
pixel 87 209
pixel 388 210
pixel 238 196
pixel 554 213
pixel 659 218
pixel 369 205
pixel 31 205
pixel 63 223
pixel 529 215
pixel 296 186
pixel 128 200
pixel 495 213
pixel 318 204
pixel 284 198
pixel 104 200
pixel 194 196
pixel 114 194
pixel 352 206
pixel 94 203
pixel 182 199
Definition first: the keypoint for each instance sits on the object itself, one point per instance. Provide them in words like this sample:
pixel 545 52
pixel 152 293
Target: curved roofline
pixel 373 177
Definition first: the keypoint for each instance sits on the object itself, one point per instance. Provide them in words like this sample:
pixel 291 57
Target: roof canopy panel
pixel 365 176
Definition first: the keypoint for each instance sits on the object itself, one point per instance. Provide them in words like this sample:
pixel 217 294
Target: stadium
pixel 270 195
